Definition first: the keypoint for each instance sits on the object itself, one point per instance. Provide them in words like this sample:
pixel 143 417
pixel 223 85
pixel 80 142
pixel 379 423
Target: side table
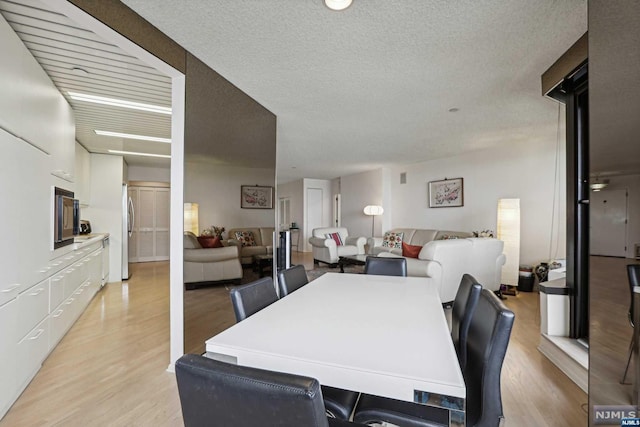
pixel 262 262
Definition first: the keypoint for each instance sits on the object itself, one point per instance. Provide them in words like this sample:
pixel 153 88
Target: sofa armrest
pixel 321 242
pixel 233 242
pixel 210 254
pixel 359 242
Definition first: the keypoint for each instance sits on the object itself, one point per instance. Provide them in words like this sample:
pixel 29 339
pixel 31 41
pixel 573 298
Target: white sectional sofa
pixel 446 255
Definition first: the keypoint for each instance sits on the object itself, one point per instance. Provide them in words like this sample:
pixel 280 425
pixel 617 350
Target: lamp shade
pixel 509 233
pixel 373 210
pixel 191 218
pixel 338 4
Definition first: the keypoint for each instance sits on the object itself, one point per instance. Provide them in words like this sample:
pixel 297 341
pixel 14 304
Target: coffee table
pixel 260 262
pixel 351 260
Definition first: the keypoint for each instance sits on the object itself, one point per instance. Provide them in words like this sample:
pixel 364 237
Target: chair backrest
pixel 384 266
pixel 463 307
pixel 633 271
pixel 487 342
pixel 291 279
pixel 218 393
pixel 252 297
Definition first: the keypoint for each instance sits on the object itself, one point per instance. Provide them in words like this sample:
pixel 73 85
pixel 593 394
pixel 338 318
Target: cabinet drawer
pixel 31 352
pixel 56 290
pixel 33 306
pixel 60 321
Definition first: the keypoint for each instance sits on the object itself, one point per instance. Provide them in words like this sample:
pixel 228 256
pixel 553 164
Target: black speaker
pixel 284 250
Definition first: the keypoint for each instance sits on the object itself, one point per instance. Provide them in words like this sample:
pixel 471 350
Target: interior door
pixel 314 210
pixel 150 237
pixel 608 228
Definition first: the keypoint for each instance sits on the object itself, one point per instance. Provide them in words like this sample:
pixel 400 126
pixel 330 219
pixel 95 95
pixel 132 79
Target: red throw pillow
pixel 209 242
pixel 411 251
pixel 336 238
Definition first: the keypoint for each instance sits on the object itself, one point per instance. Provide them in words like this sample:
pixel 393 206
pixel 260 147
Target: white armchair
pixel 326 250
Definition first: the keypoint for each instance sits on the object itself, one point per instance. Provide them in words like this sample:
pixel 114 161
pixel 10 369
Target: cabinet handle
pixel 70 301
pixel 10 289
pixel 57 279
pixel 37 292
pixel 36 336
pixel 58 313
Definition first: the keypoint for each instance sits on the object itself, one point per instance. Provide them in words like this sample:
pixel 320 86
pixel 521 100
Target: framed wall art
pixel 447 193
pixel 256 197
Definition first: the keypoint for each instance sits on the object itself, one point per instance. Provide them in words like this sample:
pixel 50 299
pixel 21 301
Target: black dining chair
pixel 218 393
pixel 489 333
pixel 252 297
pixel 464 305
pixel 633 273
pixel 291 279
pixel 386 266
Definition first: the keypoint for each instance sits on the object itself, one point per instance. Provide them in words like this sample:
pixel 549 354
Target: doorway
pixel 314 208
pixel 608 223
pixel 149 240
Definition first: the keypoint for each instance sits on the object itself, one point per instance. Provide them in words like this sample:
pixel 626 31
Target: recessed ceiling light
pixel 338 4
pixel 133 153
pixel 132 136
pixel 454 110
pixel 119 103
pixel 79 71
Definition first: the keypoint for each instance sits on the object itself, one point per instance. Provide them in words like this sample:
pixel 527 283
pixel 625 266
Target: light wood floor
pixel 110 369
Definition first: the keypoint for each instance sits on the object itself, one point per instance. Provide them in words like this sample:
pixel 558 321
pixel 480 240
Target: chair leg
pixel 624 376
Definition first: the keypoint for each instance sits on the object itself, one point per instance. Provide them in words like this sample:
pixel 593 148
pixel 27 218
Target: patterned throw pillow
pixel 448 237
pixel 392 240
pixel 336 238
pixel 245 238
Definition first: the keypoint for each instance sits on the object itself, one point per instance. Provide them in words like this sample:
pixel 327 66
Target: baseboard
pixel 569 356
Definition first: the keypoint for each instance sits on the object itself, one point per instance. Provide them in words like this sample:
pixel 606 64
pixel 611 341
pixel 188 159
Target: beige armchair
pixel 326 250
pixel 209 264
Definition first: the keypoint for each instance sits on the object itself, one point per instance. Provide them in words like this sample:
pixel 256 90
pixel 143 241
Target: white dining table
pixel 381 335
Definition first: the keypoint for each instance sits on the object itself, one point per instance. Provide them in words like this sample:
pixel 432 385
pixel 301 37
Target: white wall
pixel 105 208
pixel 148 173
pixel 631 183
pixel 294 192
pixel 358 191
pixel 523 170
pixel 216 189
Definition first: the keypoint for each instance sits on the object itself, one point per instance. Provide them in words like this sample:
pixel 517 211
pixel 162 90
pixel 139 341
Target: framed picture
pixel 447 193
pixel 256 197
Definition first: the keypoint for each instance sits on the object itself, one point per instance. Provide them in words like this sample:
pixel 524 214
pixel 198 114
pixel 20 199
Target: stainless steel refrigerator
pixel 128 220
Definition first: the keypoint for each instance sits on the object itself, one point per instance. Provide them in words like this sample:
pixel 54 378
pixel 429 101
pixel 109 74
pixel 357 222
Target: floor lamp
pixel 191 218
pixel 509 233
pixel 373 211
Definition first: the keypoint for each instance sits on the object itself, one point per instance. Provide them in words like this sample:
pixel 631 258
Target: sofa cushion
pixel 246 238
pixel 392 240
pixel 336 238
pixel 410 251
pixel 446 235
pixel 421 237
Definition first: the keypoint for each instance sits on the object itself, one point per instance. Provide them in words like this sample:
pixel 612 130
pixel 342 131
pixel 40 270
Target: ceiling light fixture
pixel 598 185
pixel 337 4
pixel 119 103
pixel 133 153
pixel 132 136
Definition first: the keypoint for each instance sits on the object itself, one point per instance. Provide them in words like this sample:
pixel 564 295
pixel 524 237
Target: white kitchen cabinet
pixel 33 307
pixel 83 175
pixel 31 352
pixel 8 343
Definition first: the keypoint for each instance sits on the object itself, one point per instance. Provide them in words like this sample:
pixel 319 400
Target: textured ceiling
pixel 372 85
